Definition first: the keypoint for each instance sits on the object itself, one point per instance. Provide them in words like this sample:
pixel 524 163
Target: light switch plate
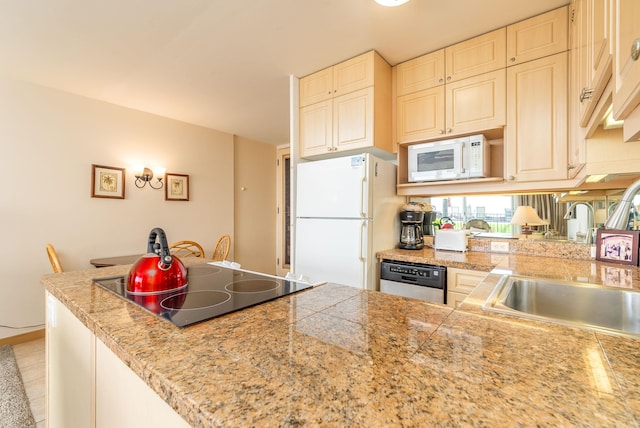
pixel 500 247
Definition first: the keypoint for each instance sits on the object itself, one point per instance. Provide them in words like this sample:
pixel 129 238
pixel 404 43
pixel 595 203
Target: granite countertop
pixel 340 356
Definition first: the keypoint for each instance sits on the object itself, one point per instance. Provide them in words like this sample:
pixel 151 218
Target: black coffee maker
pixel 411 237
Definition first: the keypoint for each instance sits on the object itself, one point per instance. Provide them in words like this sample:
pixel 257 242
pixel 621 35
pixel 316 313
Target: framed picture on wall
pixel 176 187
pixel 107 182
pixel 617 246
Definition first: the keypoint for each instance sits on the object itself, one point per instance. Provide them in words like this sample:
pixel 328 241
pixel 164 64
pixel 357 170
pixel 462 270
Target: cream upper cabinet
pixel 472 98
pixel 476 56
pixel 626 94
pixel 576 145
pixel 536 37
pixel 356 73
pixel 316 87
pixel 353 119
pixel 594 47
pixel 357 113
pixel 476 103
pixel 316 128
pixel 469 105
pixel 536 131
pixel 421 73
pixel 420 115
pixel 348 76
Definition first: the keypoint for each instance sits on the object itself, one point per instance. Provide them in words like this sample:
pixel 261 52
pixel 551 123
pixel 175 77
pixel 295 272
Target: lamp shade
pixel 526 215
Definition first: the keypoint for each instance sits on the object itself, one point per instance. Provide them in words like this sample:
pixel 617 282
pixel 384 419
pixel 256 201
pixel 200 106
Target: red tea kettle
pixel 157 271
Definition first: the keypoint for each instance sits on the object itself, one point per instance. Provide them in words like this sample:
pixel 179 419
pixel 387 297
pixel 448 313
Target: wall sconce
pixel 144 175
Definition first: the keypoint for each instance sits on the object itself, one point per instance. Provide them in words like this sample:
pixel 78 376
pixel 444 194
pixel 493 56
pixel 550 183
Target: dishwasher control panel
pixel 414 273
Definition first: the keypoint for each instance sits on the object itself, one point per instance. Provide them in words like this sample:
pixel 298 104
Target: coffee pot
pixel 411 236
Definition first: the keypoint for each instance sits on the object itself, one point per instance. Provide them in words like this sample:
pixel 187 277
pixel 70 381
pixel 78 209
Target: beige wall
pixel 255 205
pixel 49 139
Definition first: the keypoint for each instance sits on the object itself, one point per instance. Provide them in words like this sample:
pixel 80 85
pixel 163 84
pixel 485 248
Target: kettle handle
pixel 165 255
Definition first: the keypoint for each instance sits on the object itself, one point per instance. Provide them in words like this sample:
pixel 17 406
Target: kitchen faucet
pixel 620 217
pixel 590 219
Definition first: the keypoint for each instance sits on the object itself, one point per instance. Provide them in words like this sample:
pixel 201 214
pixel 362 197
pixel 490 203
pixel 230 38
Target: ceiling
pixel 224 64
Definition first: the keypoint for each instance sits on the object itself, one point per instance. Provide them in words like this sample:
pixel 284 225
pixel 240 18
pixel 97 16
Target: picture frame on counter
pixel 107 182
pixel 176 187
pixel 617 246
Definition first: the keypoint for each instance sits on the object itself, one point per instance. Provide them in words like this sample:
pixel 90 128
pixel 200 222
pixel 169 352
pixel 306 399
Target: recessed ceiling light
pixel 391 3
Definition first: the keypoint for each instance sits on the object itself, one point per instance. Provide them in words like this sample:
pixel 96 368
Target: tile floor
pixel 31 362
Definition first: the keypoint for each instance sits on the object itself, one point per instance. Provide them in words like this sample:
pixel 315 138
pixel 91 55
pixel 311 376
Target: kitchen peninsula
pixel 339 356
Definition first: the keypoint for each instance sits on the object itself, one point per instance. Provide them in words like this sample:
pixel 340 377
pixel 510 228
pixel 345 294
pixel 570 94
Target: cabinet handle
pixel 441 131
pixel 329 149
pixel 512 59
pixel 510 177
pixel 441 81
pixel 448 78
pixel 585 94
pixel 635 49
pixel 448 130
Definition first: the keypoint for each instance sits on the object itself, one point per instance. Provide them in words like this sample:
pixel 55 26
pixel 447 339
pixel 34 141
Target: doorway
pixel 283 212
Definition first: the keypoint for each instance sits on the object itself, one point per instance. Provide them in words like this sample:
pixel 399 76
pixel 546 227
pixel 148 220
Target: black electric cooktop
pixel 211 291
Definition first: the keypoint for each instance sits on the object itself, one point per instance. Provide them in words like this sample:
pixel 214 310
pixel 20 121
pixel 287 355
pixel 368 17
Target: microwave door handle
pixel 462 152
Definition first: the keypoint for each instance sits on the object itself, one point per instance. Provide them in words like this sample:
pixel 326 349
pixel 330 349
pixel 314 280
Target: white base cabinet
pixel 123 399
pixel 89 386
pixel 461 282
pixel 70 352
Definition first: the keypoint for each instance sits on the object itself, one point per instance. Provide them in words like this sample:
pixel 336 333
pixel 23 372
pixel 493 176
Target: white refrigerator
pixel 346 210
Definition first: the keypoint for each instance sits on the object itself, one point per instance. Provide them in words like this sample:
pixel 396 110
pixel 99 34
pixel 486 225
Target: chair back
pixel 53 259
pixel 221 250
pixel 186 249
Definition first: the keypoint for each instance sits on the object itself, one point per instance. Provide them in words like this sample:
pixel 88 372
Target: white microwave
pixel 454 159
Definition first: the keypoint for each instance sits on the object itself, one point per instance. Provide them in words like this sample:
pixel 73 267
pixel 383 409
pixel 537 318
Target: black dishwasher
pixel 415 280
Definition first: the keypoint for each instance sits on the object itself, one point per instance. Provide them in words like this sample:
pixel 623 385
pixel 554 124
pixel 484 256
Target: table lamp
pixel 526 216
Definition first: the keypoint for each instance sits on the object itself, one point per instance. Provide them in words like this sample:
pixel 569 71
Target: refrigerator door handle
pixel 363 258
pixel 363 189
pixel 363 226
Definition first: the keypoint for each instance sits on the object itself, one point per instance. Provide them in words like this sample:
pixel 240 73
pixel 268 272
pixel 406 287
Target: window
pixel 495 210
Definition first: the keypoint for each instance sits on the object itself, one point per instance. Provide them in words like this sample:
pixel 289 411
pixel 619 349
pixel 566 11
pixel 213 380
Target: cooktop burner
pixel 211 291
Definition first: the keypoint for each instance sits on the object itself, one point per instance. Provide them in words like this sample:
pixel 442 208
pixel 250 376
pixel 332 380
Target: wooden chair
pixel 221 250
pixel 53 258
pixel 186 249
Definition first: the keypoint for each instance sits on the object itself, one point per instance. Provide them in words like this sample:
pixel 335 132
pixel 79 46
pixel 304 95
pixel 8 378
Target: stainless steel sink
pixel 612 310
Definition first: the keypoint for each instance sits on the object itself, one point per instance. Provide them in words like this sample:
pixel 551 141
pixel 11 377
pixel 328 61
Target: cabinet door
pixel 461 282
pixel 597 51
pixel 476 56
pixel 475 104
pixel 536 133
pixel 420 73
pixel 353 120
pixel 316 128
pixel 626 94
pixel 70 366
pixel 537 37
pixel 316 87
pixel 351 75
pixel 420 115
